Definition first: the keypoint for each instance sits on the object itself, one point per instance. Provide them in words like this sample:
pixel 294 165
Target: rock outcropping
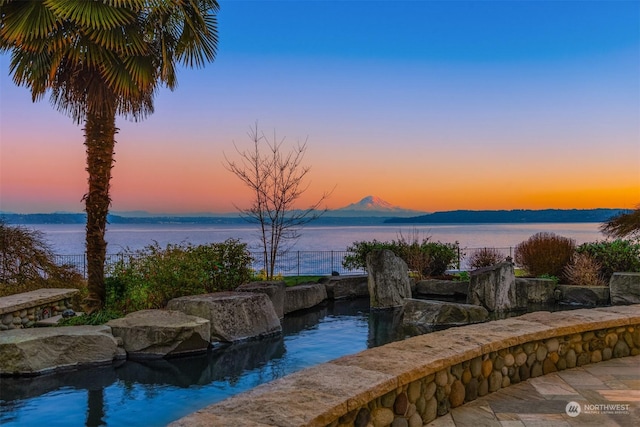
pixel 40 350
pixel 274 289
pixel 161 333
pixel 389 282
pixel 588 296
pixel 346 287
pixel 494 287
pixel 303 296
pixel 424 314
pixel 234 316
pixel 625 288
pixel 442 288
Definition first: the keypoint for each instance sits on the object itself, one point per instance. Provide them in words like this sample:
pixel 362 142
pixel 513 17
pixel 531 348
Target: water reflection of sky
pixel 68 239
pixel 155 393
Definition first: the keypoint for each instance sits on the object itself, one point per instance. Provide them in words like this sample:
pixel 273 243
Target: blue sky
pixel 429 105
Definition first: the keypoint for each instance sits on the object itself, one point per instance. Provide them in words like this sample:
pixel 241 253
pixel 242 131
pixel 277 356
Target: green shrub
pixel 545 253
pixel 440 257
pixel 485 257
pixel 357 257
pixel 463 276
pixel 149 278
pixel 616 255
pixel 423 257
pixel 96 318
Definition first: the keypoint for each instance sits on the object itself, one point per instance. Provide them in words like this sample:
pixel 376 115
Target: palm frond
pixel 91 14
pixel 125 41
pixel 31 69
pixel 113 53
pixel 26 21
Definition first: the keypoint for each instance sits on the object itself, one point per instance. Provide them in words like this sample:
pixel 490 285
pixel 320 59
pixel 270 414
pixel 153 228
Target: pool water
pixel 155 393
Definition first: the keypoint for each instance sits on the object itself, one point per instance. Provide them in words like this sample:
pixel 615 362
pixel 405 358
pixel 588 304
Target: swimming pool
pixel 155 393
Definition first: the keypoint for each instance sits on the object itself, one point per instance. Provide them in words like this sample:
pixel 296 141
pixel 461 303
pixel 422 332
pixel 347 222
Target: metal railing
pixel 307 263
pixel 291 263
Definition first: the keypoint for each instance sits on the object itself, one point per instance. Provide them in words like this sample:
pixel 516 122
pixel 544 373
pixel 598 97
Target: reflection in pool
pixel 154 393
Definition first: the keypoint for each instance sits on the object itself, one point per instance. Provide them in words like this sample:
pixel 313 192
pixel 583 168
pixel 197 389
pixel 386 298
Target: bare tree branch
pixel 277 180
pixel 623 225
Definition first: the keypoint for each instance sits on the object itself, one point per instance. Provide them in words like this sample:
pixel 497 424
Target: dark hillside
pixel 513 216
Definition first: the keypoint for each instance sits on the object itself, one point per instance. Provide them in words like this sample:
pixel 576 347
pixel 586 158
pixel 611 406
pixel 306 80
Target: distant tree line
pixel 511 216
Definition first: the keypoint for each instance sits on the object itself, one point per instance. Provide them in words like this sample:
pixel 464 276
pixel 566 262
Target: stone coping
pixel 17 302
pixel 320 395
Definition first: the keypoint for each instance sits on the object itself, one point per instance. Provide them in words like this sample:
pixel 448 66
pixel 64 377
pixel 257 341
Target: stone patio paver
pixel 542 401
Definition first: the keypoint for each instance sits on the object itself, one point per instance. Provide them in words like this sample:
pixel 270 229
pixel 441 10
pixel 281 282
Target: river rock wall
pixel 410 383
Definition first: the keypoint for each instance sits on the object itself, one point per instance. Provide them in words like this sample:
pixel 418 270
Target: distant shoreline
pixel 519 216
pixel 523 216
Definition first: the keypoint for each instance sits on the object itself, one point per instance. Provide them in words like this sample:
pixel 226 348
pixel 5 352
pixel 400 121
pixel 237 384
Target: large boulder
pixel 625 288
pixel 345 287
pixel 494 287
pixel 274 289
pixel 303 296
pixel 589 296
pixel 161 333
pixel 423 314
pixel 442 288
pixel 37 351
pixel 234 316
pixel 534 290
pixel 388 280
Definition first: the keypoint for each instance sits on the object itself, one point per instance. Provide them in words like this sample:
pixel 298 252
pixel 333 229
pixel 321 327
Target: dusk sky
pixel 429 105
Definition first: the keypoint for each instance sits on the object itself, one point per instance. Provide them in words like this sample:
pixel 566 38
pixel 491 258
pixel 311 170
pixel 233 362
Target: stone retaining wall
pixel 411 382
pixel 25 309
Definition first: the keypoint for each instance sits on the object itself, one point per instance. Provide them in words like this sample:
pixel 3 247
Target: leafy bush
pixel 149 278
pixel 616 255
pixel 545 253
pixel 463 276
pixel 357 257
pixel 485 257
pixel 96 318
pixel 439 257
pixel 584 270
pixel 27 263
pixel 424 257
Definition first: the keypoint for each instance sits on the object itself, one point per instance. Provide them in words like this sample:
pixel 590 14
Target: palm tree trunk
pixel 100 133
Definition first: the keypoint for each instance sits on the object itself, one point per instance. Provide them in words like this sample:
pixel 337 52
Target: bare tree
pixel 27 263
pixel 277 180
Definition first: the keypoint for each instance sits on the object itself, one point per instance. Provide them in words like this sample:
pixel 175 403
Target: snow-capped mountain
pixel 371 203
pixel 373 206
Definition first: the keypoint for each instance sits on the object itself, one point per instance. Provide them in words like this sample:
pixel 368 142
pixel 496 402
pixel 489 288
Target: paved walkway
pixel 544 401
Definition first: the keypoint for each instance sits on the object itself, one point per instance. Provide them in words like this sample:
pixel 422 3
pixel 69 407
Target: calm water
pixel 68 239
pixel 154 393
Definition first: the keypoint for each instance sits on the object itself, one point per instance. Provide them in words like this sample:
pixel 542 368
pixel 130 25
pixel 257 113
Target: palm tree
pixel 623 225
pixel 100 59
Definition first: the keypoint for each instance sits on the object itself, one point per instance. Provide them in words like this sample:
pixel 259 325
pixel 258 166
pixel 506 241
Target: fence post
pixel 298 263
pixel 332 269
pixel 458 257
